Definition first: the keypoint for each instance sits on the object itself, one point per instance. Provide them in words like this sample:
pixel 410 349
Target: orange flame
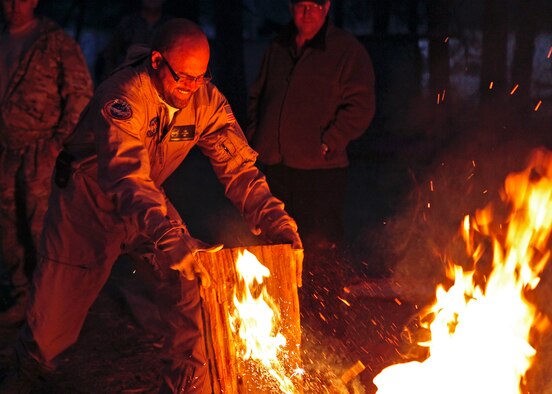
pixel 480 333
pixel 256 319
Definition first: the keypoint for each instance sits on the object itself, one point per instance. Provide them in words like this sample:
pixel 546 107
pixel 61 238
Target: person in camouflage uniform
pixel 44 85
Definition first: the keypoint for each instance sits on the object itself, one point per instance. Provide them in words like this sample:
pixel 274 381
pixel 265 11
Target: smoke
pixel 464 176
pixel 325 361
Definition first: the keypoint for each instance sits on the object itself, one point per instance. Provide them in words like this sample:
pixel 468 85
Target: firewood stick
pixel 352 372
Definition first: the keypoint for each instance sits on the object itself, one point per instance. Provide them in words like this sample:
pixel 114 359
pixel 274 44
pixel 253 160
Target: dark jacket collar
pixel 287 36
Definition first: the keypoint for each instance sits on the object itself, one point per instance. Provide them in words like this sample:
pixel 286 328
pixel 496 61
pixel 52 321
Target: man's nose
pixel 191 83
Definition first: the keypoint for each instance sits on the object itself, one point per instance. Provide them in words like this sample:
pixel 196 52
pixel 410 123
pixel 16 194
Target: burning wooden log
pixel 230 371
pixel 352 372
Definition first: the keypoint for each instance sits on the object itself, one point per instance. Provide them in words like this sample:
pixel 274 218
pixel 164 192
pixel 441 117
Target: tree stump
pixel 229 372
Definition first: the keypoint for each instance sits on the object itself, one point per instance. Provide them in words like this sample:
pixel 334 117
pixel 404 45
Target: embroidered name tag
pixel 182 133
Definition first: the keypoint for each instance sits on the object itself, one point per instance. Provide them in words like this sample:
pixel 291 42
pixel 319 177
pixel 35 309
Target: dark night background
pixel 438 122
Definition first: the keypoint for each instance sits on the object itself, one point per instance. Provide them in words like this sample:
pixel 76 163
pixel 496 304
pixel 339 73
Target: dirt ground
pixel 115 355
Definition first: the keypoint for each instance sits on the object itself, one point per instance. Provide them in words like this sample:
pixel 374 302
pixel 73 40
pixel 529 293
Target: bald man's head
pixel 176 32
pixel 179 59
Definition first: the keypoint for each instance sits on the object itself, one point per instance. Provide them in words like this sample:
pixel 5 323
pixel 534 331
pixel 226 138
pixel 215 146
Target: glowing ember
pixel 256 319
pixel 480 331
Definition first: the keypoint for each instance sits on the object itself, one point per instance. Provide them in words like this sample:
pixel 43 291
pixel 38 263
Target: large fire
pixel 256 320
pixel 481 326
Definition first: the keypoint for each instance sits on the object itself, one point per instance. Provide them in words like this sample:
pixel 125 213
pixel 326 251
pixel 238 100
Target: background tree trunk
pixel 80 19
pixel 438 25
pixel 230 77
pixel 382 14
pixel 413 17
pixel 338 12
pixel 522 65
pixel 438 62
pixel 184 9
pixel 494 59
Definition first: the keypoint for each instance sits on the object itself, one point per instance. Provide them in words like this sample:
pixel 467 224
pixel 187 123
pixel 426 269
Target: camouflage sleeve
pixel 75 86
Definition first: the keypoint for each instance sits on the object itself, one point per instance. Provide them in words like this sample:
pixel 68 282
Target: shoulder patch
pixel 153 127
pixel 118 109
pixel 230 118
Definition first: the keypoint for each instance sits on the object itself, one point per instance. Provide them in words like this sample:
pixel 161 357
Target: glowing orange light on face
pixel 480 333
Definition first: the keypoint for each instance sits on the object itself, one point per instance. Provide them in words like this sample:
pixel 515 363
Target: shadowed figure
pixel 133 29
pixel 314 94
pixel 44 85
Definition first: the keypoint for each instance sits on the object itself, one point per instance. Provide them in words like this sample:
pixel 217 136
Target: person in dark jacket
pixel 314 94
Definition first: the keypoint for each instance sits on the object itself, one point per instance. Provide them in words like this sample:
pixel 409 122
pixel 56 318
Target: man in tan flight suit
pixel 107 200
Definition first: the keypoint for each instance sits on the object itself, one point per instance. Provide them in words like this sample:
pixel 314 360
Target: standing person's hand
pixel 324 149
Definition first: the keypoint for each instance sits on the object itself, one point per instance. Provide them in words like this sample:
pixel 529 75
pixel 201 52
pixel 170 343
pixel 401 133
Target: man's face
pixel 309 17
pixel 18 12
pixel 189 62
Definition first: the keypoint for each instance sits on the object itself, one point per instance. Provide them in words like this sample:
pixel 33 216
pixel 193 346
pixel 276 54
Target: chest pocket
pixel 234 152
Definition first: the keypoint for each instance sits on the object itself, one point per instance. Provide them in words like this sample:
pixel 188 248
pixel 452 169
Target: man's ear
pixel 156 59
pixel 327 7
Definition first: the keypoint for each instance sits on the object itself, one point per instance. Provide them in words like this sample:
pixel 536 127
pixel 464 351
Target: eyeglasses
pixel 302 8
pixel 200 80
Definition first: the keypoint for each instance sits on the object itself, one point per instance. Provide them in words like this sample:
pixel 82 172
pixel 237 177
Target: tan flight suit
pixel 111 202
pixel 41 106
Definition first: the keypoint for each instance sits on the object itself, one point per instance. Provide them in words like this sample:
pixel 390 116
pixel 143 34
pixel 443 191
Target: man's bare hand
pixel 191 265
pixel 179 251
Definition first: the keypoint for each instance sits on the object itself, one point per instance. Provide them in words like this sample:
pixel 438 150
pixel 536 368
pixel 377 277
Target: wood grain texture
pixel 230 374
